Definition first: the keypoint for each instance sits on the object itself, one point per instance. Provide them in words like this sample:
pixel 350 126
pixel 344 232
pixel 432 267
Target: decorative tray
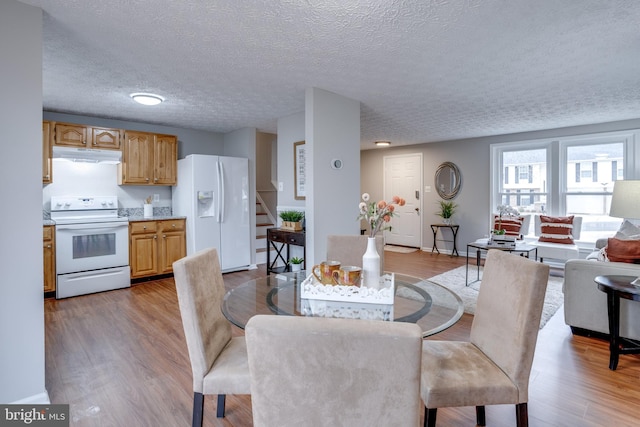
pixel 346 309
pixel 310 288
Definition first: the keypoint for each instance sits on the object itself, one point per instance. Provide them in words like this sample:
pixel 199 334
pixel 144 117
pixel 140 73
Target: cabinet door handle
pixel 144 227
pixel 164 236
pixel 155 237
pixel 147 179
pixel 48 246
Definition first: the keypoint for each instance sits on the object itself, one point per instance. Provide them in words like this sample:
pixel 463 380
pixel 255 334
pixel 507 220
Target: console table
pixel 280 239
pixel 454 231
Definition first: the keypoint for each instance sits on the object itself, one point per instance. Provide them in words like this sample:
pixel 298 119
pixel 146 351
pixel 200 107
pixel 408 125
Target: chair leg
pixel 430 417
pixel 221 401
pixel 480 417
pixel 198 408
pixel 522 415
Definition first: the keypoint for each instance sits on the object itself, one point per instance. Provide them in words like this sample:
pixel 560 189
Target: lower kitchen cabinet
pixel 49 250
pixel 155 245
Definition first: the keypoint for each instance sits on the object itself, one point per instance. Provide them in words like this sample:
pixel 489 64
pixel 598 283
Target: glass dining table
pixel 432 306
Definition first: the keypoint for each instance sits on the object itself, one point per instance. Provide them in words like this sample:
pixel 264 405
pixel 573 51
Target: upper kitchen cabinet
pixel 72 135
pixel 148 159
pixel 47 130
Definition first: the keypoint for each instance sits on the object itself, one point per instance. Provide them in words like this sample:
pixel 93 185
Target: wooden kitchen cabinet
pixel 72 135
pixel 148 159
pixel 49 250
pixel 155 245
pixel 173 243
pixel 47 131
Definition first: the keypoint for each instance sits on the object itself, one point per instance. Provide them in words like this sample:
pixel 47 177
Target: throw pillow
pixel 623 250
pixel 510 224
pixel 623 236
pixel 556 229
pixel 627 228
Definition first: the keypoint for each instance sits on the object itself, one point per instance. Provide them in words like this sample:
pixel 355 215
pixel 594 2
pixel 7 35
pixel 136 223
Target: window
pixel 530 173
pixel 579 180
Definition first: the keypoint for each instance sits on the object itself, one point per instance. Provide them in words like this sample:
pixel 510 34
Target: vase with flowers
pixel 377 215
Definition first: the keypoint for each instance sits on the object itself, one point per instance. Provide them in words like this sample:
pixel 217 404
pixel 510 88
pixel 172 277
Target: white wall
pixel 22 364
pixel 332 131
pixel 290 130
pixel 75 179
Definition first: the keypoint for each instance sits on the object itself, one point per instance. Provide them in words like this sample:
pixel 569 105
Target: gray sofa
pixel 585 306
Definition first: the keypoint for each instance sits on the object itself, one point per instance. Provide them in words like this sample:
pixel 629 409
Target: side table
pixel 522 249
pixel 280 239
pixel 617 287
pixel 454 231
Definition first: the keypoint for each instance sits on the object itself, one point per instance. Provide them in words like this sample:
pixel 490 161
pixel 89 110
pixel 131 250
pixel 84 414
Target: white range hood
pixel 87 155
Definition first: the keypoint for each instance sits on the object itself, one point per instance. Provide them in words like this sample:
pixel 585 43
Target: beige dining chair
pixel 218 360
pixel 348 249
pixel 494 367
pixel 314 371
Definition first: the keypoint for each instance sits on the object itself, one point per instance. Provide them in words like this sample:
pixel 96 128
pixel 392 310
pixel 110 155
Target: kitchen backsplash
pixel 138 212
pixel 86 179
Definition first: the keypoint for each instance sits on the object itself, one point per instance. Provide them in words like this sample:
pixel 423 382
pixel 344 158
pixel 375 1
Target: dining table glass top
pixel 432 306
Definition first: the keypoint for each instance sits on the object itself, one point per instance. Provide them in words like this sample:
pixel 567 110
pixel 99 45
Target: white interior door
pixel 403 177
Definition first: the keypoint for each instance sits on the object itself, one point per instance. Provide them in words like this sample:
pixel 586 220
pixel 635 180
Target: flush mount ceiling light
pixel 147 98
pixel 383 143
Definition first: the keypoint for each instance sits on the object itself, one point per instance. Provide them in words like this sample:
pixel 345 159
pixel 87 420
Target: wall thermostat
pixel 336 164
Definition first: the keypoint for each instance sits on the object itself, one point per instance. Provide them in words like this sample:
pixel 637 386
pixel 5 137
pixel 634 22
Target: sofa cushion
pixel 619 250
pixel 556 229
pixel 510 224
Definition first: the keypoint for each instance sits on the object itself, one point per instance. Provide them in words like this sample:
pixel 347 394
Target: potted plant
pixel 447 209
pixel 291 220
pixel 296 263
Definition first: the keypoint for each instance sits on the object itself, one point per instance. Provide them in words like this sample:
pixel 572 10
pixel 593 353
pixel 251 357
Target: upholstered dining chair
pixel 348 249
pixel 218 360
pixel 314 371
pixel 494 367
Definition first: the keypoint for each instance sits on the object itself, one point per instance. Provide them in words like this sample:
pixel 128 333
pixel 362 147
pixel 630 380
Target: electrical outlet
pixel 281 186
pixel 156 197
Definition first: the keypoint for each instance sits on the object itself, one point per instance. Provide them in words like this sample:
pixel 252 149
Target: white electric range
pixel 92 245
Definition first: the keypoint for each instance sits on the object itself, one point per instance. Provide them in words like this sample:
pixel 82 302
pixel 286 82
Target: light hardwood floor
pixel 119 359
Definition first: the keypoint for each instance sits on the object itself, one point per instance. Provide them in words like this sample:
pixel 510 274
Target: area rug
pixel 455 280
pixel 399 249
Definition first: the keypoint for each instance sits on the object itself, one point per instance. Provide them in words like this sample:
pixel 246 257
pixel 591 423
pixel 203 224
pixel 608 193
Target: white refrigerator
pixel 213 193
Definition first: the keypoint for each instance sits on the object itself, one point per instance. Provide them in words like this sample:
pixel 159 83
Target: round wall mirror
pixel 448 180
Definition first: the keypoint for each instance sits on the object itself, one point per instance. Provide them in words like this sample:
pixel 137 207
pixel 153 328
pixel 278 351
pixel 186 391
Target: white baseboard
pixel 36 399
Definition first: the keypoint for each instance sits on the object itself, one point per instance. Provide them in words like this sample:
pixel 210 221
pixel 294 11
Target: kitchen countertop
pixel 130 219
pixel 136 218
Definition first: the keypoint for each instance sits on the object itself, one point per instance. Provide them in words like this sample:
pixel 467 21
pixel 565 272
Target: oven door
pixel 83 247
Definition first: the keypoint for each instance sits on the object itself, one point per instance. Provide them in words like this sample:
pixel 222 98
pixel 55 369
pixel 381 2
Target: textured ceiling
pixel 423 70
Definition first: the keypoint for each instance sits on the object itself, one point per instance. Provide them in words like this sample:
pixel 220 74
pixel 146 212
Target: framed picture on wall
pixel 299 171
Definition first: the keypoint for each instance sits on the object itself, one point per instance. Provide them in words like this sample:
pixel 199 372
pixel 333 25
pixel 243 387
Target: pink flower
pixel 376 214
